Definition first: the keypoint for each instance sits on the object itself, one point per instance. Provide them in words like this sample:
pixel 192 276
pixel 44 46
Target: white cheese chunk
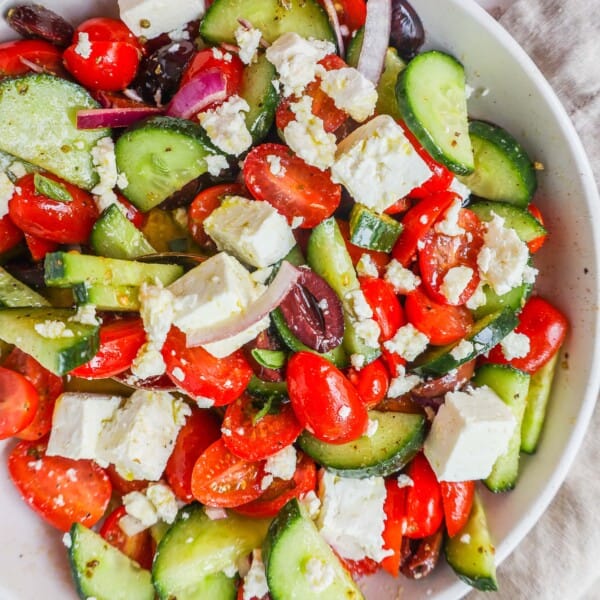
pixel 7 189
pixel 378 165
pixel 282 464
pixel 150 18
pixel 319 574
pixel 83 47
pixel 142 512
pixel 350 90
pixel 449 224
pixel 252 230
pixel 455 282
pixel 462 350
pixel 248 40
pixel 408 342
pixel 164 501
pixel 77 422
pixel 105 162
pixel 515 345
pixel 402 279
pixel 226 125
pixel 368 331
pixel 311 503
pixel 359 305
pixel 459 188
pixel 366 267
pixel 275 166
pixel 470 431
pixel 255 581
pixel 402 384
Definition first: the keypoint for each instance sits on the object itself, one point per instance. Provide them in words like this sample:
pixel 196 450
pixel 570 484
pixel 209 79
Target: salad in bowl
pixel 270 323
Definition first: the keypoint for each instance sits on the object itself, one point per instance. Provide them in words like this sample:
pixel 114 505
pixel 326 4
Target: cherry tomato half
pixel 384 303
pixel 457 499
pixel 299 190
pixel 10 234
pixel 18 402
pixel 371 382
pixel 39 247
pixel 535 244
pixel 15 55
pixel 395 517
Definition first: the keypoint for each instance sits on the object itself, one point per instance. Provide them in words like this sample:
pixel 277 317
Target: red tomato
pixel 220 379
pixel 138 547
pixel 41 53
pixel 62 491
pixel 120 341
pixel 546 328
pixel 360 568
pixel 351 13
pixel 222 479
pixel 417 222
pixel 424 509
pixel 18 403
pixel 399 206
pixel 300 190
pixel 323 105
pixel 263 438
pixel 324 400
pixel 457 499
pixel 109 60
pixel 122 486
pixel 204 203
pixel 53 220
pixel 48 387
pixel 535 244
pixel 39 247
pixel 395 514
pixel 134 215
pixel 10 234
pixel 201 429
pixel 371 382
pixel 440 253
pixel 441 323
pixel 381 259
pixel 384 303
pixel 280 492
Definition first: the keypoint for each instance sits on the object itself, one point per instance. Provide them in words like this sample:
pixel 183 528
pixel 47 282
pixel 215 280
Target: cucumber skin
pixel 514 300
pixel 15 294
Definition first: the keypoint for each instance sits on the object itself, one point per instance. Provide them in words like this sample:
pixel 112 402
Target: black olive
pixel 407 34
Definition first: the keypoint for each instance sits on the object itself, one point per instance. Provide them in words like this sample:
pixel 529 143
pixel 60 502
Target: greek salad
pixel 267 298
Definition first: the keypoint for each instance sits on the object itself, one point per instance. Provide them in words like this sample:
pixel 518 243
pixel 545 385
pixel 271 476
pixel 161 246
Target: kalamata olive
pixel 158 383
pixel 35 21
pixel 159 73
pixel 265 340
pixel 419 557
pixel 186 33
pixel 431 393
pixel 313 311
pixel 407 34
pixel 31 274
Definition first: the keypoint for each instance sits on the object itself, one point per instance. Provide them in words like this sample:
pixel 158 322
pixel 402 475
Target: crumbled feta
pixel 83 47
pixel 297 222
pixel 248 40
pixel 368 331
pixel 307 137
pixel 462 350
pixel 141 509
pixel 105 162
pixel 377 164
pixel 359 305
pixel 366 267
pixel 179 34
pixel 350 90
pixel 148 362
pixel 470 431
pixel 408 342
pixel 449 224
pixel 178 374
pixel 164 501
pixel 459 188
pixel 402 384
pixel 357 361
pixel 53 330
pixel 402 279
pixel 282 464
pixel 226 125
pixel 372 427
pixel 515 345
pixel 465 538
pixel 275 165
pixel 215 163
pixel 295 59
pixel 311 503
pixel 17 169
pixel 255 581
pixel 66 540
pixel 344 412
pixel 478 298
pixel 215 513
pixel 7 189
pixel 455 282
pixel 404 481
pixel 319 574
pixel 86 315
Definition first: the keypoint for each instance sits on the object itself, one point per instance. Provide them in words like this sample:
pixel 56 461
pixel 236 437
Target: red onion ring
pixel 329 7
pixel 204 89
pixel 378 27
pixel 98 118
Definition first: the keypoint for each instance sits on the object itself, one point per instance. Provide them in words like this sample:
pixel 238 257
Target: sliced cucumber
pixel 514 299
pixel 522 221
pixel 372 230
pixel 484 335
pixel 470 552
pixel 512 386
pixel 503 171
pixel 432 100
pixel 258 91
pixel 102 572
pixel 64 269
pixel 354 47
pixel 37 120
pixel 108 297
pixel 272 17
pixel 15 294
pixel 115 236
pixel 293 542
pixel 193 554
pixel 398 437
pixel 8 164
pixel 58 354
pixel 159 156
pixel 535 409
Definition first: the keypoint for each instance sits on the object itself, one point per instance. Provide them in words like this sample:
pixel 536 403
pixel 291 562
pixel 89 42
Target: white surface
pixel 523 102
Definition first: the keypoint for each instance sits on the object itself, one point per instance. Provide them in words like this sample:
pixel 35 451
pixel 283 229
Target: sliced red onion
pixel 335 23
pixel 97 118
pixel 31 65
pixel 378 27
pixel 266 303
pixel 204 89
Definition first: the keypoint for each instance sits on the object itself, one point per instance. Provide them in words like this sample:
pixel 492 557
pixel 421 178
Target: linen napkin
pixel 560 557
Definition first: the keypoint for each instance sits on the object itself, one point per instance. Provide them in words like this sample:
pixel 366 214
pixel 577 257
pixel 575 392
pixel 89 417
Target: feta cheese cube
pixel 470 431
pixel 77 422
pixel 252 230
pixel 408 342
pixel 226 125
pixel 140 436
pixel 378 165
pixel 350 90
pixel 455 282
pixel 150 18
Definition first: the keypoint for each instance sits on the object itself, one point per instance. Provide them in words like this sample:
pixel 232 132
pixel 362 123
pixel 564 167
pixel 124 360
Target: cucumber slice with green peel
pixel 373 231
pixel 15 294
pixel 514 300
pixel 193 554
pixel 37 118
pixel 272 17
pixel 8 164
pixel 294 543
pixel 115 236
pixel 258 91
pixel 503 170
pixel 398 437
pixel 159 156
pixel 108 297
pixel 484 335
pixel 432 99
pixel 527 227
pixel 470 552
pixel 64 269
pixel 512 387
pixel 354 47
pixel 58 351
pixel 102 572
pixel 328 257
pixel 535 408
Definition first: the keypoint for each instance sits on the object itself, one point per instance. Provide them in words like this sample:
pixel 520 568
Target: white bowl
pixel 34 562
